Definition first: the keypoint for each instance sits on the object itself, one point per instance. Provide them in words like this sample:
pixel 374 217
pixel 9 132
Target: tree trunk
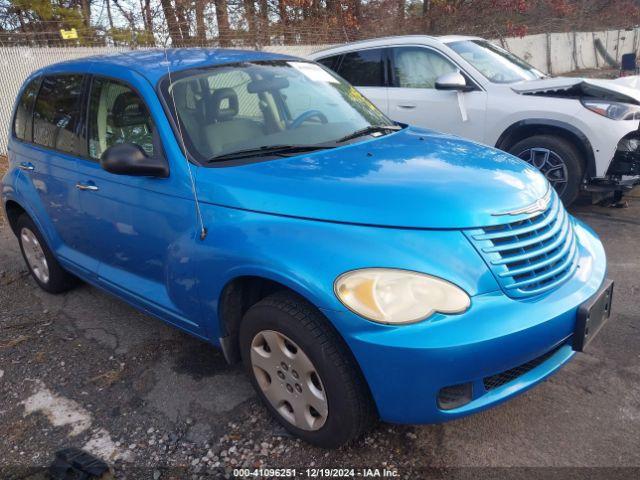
pixel 109 16
pixel 250 11
pixel 172 22
pixel 183 23
pixel 201 31
pixel 85 6
pixel 222 17
pixel 264 22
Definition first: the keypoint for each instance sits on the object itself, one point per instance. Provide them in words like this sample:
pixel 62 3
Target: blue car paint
pixel 398 201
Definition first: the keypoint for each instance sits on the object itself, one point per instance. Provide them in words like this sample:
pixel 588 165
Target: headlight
pixel 395 296
pixel 613 110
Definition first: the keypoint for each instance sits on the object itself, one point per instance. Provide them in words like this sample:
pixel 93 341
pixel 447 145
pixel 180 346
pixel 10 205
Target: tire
pixel 560 150
pixel 33 244
pixel 349 407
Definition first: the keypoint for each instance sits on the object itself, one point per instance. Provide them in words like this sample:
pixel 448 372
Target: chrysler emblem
pixel 538 206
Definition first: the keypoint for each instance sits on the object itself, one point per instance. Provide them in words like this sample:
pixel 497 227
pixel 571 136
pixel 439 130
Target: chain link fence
pixel 554 53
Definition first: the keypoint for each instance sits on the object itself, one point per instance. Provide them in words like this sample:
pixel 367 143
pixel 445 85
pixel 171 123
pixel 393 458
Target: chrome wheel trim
pixel 35 255
pixel 550 164
pixel 289 380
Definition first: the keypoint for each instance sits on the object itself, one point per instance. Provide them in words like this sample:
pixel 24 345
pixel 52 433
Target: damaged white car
pixel 581 133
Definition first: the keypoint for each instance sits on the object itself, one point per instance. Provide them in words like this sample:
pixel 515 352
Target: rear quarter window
pixel 57 113
pixel 23 121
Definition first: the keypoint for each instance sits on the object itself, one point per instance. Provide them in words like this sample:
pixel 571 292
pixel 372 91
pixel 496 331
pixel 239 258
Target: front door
pixel 140 229
pixel 413 98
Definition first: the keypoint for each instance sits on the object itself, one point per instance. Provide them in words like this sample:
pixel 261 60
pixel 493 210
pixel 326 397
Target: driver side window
pixel 117 114
pixel 417 67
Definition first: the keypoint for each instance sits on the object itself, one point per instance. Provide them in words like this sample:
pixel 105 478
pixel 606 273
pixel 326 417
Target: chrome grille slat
pixel 535 253
pixel 531 255
pixel 550 273
pixel 536 266
pixel 530 241
pixel 548 217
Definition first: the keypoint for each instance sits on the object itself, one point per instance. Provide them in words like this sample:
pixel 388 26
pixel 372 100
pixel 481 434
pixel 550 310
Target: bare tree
pixel 222 18
pixel 172 22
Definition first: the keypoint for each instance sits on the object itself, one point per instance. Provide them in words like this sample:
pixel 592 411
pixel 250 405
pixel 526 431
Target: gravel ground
pixel 84 369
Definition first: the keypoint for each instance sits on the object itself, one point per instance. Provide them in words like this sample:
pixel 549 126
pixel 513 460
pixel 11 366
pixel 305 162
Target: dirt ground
pixel 84 369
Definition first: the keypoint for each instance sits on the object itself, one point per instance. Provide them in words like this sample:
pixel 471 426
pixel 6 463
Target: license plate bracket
pixel 592 315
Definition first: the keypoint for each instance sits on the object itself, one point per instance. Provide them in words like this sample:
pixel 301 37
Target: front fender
pixel 307 256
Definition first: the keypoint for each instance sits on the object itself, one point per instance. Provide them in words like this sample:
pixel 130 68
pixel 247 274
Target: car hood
pixel 413 178
pixel 626 89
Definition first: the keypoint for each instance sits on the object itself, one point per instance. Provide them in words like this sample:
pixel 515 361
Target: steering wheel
pixel 304 116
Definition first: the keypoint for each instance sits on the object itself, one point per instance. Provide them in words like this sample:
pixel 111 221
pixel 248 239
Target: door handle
pixel 26 166
pixel 82 186
pixel 407 106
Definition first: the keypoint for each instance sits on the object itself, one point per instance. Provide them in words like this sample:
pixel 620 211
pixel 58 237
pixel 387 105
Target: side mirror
pixel 453 81
pixel 131 159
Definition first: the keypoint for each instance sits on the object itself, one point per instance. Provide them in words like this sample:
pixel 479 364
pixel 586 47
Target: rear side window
pixel 117 114
pixel 22 123
pixel 330 62
pixel 364 68
pixel 57 113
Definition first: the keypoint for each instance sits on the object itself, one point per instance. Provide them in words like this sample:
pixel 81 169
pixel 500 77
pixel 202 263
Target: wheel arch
pixel 13 211
pixel 237 296
pixel 529 127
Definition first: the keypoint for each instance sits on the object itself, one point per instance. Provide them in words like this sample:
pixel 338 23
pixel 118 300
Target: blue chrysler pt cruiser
pixel 359 268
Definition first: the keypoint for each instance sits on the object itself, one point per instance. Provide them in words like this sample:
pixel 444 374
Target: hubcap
pixel 35 255
pixel 550 164
pixel 289 380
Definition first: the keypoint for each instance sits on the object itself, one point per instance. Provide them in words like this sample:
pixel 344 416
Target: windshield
pixel 495 63
pixel 259 105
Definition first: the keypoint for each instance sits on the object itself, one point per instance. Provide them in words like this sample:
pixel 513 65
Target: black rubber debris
pixel 76 464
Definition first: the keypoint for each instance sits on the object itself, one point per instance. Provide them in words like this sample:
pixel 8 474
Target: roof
pixel 393 40
pixel 152 63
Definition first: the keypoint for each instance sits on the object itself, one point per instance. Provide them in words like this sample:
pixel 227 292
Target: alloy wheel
pixel 289 380
pixel 550 164
pixel 35 255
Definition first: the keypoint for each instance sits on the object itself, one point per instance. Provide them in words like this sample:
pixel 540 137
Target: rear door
pixel 366 70
pixel 47 156
pixel 414 99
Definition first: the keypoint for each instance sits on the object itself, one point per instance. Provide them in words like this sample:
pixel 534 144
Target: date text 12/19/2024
pixel 315 473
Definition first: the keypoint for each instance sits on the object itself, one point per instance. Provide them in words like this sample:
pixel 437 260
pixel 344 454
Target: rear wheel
pixel 42 264
pixel 557 159
pixel 303 372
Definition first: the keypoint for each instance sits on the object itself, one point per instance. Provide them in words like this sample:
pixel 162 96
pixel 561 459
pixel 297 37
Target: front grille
pixel 532 255
pixel 495 381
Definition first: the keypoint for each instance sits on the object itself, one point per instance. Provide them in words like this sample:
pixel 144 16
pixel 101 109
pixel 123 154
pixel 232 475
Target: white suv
pixel 581 133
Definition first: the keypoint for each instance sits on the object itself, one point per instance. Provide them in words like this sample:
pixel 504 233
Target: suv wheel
pixel 559 161
pixel 303 371
pixel 42 264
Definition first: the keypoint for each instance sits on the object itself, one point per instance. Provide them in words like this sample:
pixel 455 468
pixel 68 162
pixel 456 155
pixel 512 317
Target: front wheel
pixel 557 159
pixel 303 371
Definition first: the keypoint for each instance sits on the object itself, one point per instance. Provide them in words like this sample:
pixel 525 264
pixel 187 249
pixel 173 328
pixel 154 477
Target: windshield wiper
pixel 368 131
pixel 267 150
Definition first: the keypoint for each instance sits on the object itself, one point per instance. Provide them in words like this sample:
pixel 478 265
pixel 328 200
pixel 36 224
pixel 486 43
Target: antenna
pixel 183 148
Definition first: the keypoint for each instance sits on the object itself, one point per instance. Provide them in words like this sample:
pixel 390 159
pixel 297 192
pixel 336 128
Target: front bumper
pixel 407 366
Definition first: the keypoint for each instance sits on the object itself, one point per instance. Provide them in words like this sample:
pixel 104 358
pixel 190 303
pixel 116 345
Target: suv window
pixel 417 67
pixel 330 62
pixel 364 68
pixel 117 114
pixel 23 121
pixel 56 114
